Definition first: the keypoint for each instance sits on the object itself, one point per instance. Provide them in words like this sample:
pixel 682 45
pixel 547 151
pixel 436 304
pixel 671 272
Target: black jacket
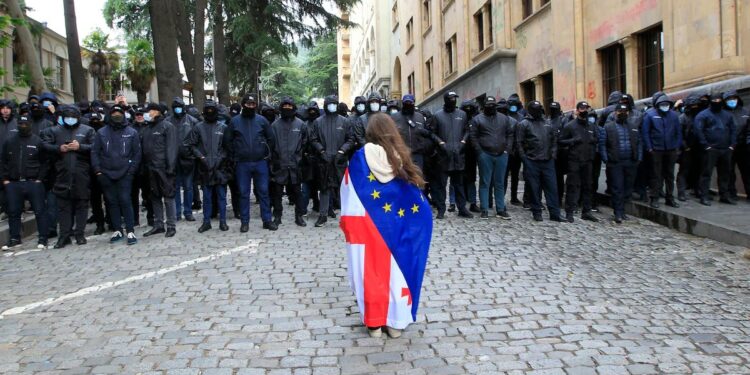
pixel 581 139
pixel 536 139
pixel 73 168
pixel 291 140
pixel 184 125
pixel 116 152
pixel 453 129
pixel 23 158
pixel 207 143
pixel 159 146
pixel 250 138
pixel 491 134
pixel 330 134
pixel 414 131
pixel 7 128
pixel 610 142
pixel 37 126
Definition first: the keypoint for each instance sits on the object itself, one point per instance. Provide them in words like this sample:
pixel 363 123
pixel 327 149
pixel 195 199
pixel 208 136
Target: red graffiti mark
pixel 591 91
pixel 607 28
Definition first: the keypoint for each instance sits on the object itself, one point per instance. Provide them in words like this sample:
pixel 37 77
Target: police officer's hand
pixel 74 145
pixel 5 182
pixel 51 108
pixel 64 148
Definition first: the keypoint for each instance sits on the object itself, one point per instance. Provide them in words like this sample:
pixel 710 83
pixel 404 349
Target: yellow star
pixel 371 177
pixel 387 207
pixel 401 213
pixel 375 194
pixel 414 208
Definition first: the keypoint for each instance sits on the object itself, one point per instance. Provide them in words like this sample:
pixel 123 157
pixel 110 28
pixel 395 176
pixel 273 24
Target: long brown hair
pixel 382 131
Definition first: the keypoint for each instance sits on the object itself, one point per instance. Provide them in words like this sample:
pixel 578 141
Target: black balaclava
pixel 621 113
pixel 36 110
pixel 449 101
pixel 717 103
pixel 287 114
pixel 24 126
pixel 248 112
pixel 343 109
pixel 470 107
pixel 704 101
pixel 268 112
pixel 235 109
pixel 117 117
pixel 210 111
pixel 535 109
pixel 490 106
pixel 554 109
pixel 313 111
pixel 502 106
pixel 407 105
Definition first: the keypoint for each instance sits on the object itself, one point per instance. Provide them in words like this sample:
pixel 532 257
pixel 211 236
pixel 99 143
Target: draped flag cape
pixel 388 227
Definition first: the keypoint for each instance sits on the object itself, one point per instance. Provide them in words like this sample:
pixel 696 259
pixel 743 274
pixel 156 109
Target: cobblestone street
pixel 499 297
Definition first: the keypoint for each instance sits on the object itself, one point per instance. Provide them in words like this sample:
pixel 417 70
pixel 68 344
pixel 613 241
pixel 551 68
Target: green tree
pixel 284 77
pixel 28 51
pixel 103 63
pixel 130 16
pixel 139 67
pixel 322 67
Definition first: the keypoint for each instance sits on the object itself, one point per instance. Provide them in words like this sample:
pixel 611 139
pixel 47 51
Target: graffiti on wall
pixel 608 29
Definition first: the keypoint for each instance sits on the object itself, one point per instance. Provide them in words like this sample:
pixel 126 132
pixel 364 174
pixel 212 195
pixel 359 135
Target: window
pixel 528 91
pixel 613 69
pixel 528 7
pixel 394 15
pixel 651 61
pixel 450 55
pixel 60 73
pixel 411 83
pixel 426 14
pixel 483 27
pixel 410 33
pixel 544 2
pixel 548 90
pixel 428 74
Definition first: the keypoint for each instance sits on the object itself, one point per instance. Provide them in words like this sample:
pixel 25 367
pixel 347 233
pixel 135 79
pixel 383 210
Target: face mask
pixel 117 119
pixel 732 103
pixel 449 104
pixel 583 114
pixel 177 110
pixel 210 116
pixel 384 109
pixel 374 107
pixel 407 108
pixel 147 117
pixel 621 117
pixel 332 107
pixel 716 106
pixel 664 107
pixel 394 111
pixel 24 130
pixel 513 109
pixel 127 115
pixel 247 112
pixel 534 112
pixel 70 121
pixel 682 109
pixel 46 103
pixel 287 113
pixel 591 120
pixel 490 110
pixel 360 107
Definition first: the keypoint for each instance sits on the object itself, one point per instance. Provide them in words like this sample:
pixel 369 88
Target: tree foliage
pixel 131 16
pixel 103 60
pixel 139 66
pixel 322 67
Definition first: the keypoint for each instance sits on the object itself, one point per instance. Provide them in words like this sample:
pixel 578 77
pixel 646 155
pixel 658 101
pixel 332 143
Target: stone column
pixel 632 77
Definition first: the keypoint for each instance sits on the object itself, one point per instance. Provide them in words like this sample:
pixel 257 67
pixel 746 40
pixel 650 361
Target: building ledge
pixel 534 15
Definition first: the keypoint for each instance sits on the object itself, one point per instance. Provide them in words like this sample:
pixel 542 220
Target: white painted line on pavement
pixel 251 246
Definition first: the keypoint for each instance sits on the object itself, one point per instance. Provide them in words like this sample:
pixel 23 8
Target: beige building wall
pixel 704 43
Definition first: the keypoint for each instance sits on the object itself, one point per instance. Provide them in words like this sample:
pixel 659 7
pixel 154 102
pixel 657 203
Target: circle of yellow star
pixel 375 194
pixel 414 208
pixel 401 212
pixel 387 207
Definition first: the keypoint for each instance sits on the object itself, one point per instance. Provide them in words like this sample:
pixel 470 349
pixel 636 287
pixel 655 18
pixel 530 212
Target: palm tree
pixel 103 62
pixel 139 67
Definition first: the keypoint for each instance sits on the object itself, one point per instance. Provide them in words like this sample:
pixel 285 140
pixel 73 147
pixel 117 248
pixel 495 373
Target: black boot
pixel 223 226
pixel 204 227
pixel 244 228
pixel 322 219
pixel 277 220
pixel 270 225
pixel 170 232
pixel 99 229
pixel 654 203
pixel 81 240
pixel 62 242
pixel 300 221
pixel 153 231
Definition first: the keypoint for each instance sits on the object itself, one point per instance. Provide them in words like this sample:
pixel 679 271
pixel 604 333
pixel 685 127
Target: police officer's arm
pixel 135 154
pixel 268 134
pixel 349 140
pixel 95 154
pixel 510 135
pixel 44 163
pixel 172 143
pixel 732 133
pixel 474 135
pixel 192 142
pixel 700 124
pixel 49 142
pixel 566 135
pixel 87 144
pixel 603 144
pixel 553 137
pixel 646 133
pixel 315 140
pixel 465 131
pixel 520 139
pixel 4 160
pixel 228 140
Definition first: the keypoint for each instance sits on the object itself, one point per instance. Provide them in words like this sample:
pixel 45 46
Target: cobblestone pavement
pixel 499 297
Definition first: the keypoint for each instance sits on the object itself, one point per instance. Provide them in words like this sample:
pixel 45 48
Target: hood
pixel 663 99
pixel 178 102
pixel 614 97
pixel 287 100
pixel 515 99
pixel 360 99
pixel 373 96
pixel 265 107
pixel 655 97
pixel 692 99
pixel 331 99
pixel 48 96
pixel 731 93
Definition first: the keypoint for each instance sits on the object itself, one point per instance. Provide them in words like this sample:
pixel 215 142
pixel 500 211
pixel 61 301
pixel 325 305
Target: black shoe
pixel 244 228
pixel 538 217
pixel 728 201
pixel 204 227
pixel 332 214
pixel 569 217
pixel 514 201
pixel 189 218
pixel 452 208
pixel 672 203
pixel 322 219
pixel 654 203
pixel 270 226
pixel 484 215
pixel 503 215
pixel 440 216
pixel 62 242
pixel 223 226
pixel 705 202
pixel 473 208
pixel 52 234
pixel 589 217
pixel 99 230
pixel 12 243
pixel 595 209
pixel 300 221
pixel 465 214
pixel 557 219
pixel 154 231
pixel 625 217
pixel 81 240
pixel 526 206
pixel 170 232
pixel 681 197
pixel 618 219
pixel 237 215
pixel 277 220
pixel 42 244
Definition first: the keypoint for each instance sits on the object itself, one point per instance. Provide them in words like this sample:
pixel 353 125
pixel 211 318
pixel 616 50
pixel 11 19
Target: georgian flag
pixel 388 228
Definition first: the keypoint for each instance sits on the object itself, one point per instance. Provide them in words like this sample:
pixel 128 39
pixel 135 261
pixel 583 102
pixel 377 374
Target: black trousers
pixel 662 173
pixel 579 185
pixel 72 212
pixel 514 169
pixel 689 172
pixel 561 168
pixel 596 172
pixel 97 202
pixel 470 176
pixel 295 195
pixel 141 184
pixel 621 175
pixel 722 161
pixel 741 162
pixel 440 190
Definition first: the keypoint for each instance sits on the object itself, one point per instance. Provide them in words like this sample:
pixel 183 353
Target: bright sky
pixel 88 16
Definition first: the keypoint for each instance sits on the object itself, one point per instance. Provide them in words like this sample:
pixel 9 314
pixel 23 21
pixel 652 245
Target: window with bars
pixel 651 61
pixel 411 83
pixel 613 69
